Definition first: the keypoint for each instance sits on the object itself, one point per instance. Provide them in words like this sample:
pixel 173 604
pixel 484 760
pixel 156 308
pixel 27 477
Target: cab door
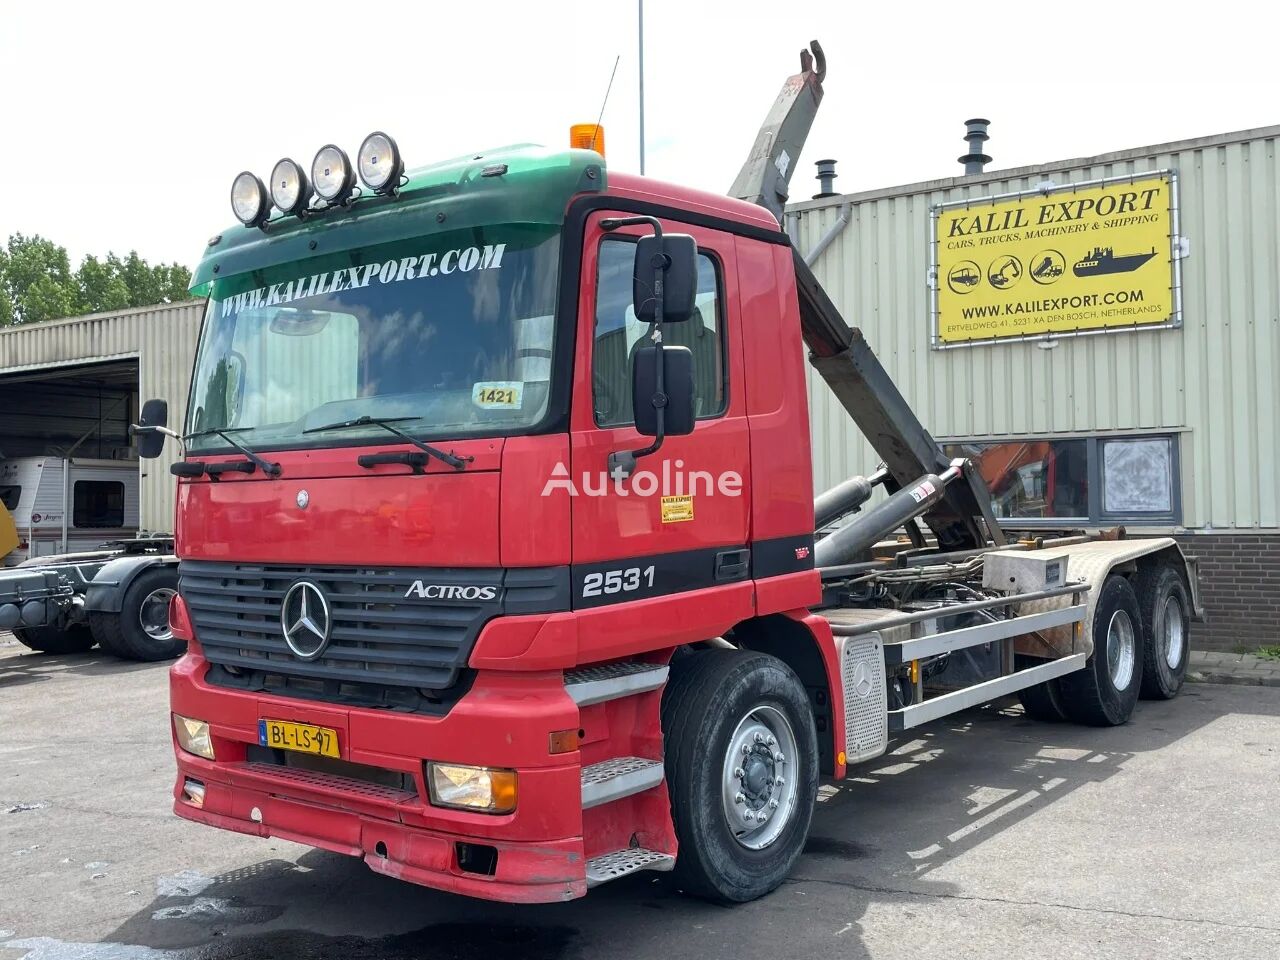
pixel 680 522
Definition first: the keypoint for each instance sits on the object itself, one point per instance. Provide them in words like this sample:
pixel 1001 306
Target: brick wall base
pixel 1239 588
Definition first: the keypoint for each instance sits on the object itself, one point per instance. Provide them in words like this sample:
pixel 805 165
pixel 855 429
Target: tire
pixel 74 639
pixel 1043 701
pixel 1166 630
pixel 1105 692
pixel 715 703
pixel 137 633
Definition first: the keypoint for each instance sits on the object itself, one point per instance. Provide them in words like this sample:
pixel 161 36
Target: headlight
pixel 193 736
pixel 290 190
pixel 249 199
pixel 331 174
pixel 379 162
pixel 485 789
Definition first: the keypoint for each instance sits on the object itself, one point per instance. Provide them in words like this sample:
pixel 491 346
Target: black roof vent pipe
pixel 976 134
pixel 826 179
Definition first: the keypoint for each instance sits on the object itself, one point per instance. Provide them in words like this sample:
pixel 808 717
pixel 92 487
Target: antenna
pixel 596 132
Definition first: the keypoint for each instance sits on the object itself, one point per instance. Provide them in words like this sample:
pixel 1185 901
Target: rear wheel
pixel 74 639
pixel 742 772
pixel 1166 630
pixel 141 630
pixel 1105 692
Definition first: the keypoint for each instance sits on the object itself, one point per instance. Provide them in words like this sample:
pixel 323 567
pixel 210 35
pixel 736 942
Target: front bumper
pixel 505 720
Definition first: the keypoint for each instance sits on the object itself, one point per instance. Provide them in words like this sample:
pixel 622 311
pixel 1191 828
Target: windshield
pixel 455 332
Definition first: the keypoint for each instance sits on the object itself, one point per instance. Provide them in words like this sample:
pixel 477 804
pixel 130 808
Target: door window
pixel 618 334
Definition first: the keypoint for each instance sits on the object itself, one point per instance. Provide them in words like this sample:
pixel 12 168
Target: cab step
pixel 610 681
pixel 620 863
pixel 618 777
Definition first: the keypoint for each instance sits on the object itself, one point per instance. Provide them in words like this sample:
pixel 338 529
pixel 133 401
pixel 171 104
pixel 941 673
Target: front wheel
pixel 742 772
pixel 1105 692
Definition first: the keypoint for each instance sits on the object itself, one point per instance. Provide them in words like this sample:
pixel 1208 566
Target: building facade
pixel 76 385
pixel 1170 430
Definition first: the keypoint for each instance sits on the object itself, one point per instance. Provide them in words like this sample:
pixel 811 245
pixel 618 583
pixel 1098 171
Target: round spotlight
pixel 331 174
pixel 290 190
pixel 379 163
pixel 249 199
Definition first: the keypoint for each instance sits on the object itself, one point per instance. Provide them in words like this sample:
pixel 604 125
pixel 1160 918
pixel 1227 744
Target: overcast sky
pixel 125 123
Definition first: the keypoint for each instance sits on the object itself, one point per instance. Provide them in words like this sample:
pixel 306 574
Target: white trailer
pixel 62 505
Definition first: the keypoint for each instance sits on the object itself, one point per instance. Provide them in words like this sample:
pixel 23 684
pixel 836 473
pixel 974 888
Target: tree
pixel 37 283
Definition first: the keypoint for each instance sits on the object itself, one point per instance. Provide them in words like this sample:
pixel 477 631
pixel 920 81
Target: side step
pixel 611 866
pixel 588 685
pixel 617 778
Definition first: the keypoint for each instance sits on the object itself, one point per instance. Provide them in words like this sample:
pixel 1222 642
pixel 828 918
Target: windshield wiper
pixel 266 466
pixel 385 423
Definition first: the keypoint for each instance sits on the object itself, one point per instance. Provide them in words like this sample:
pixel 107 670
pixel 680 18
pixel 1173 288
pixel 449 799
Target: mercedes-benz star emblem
pixel 306 620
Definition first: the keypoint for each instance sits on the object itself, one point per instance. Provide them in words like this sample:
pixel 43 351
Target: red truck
pixel 500 566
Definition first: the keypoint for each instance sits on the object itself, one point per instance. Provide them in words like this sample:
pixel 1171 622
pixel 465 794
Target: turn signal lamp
pixel 483 789
pixel 587 136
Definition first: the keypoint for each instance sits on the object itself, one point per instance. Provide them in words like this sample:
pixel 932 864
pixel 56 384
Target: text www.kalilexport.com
pixel 1051 305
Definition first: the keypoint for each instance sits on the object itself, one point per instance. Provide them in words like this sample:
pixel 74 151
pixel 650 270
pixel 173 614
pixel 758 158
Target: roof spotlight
pixel 379 163
pixel 332 175
pixel 249 199
pixel 290 191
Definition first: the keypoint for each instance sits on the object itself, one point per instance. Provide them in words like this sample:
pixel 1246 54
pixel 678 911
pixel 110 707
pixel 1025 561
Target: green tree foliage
pixel 37 282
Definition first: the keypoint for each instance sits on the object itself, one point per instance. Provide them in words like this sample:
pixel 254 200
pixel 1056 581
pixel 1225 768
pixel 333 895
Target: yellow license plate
pixel 283 735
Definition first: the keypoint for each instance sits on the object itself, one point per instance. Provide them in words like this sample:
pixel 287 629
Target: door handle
pixel 732 564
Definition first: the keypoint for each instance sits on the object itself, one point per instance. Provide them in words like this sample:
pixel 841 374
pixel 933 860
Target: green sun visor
pixel 518 184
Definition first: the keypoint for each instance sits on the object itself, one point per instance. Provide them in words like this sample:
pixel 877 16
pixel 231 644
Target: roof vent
pixel 826 179
pixel 976 135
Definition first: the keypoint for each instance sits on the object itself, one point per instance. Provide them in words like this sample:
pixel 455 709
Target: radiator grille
pixel 379 637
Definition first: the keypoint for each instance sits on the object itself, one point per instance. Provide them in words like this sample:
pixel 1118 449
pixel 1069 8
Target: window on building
pixel 618 334
pixel 9 494
pixel 1088 480
pixel 98 503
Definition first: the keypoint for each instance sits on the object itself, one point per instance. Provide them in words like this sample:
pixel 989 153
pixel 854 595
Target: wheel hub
pixel 758 795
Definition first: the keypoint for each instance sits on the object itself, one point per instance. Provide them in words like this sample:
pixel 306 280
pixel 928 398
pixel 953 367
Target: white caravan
pixel 68 506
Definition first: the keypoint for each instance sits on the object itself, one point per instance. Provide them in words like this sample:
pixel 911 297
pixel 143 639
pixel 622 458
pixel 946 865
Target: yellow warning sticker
pixel 677 509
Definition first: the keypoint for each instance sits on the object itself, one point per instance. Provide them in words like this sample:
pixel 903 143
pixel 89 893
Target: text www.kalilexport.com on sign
pixel 1123 306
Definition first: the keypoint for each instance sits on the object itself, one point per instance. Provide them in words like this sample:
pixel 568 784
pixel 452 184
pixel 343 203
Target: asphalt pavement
pixel 985 836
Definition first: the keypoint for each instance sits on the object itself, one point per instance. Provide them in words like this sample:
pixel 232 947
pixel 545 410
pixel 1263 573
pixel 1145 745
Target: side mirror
pixel 149 430
pixel 669 260
pixel 675 396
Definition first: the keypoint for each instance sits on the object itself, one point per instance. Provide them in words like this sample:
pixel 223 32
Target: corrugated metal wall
pixel 1214 380
pixel 162 338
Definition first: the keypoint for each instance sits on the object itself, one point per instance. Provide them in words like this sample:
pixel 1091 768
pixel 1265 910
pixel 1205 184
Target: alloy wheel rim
pixel 1121 650
pixel 153 615
pixel 1174 638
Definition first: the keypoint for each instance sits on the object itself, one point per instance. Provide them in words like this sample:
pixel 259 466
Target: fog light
pixel 290 190
pixel 249 199
pixel 331 174
pixel 193 736
pixel 379 163
pixel 193 792
pixel 486 789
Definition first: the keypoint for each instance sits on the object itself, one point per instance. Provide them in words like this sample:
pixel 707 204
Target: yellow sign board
pixel 1075 259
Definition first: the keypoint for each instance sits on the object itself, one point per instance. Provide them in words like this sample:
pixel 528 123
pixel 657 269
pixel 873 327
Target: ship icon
pixel 1103 260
